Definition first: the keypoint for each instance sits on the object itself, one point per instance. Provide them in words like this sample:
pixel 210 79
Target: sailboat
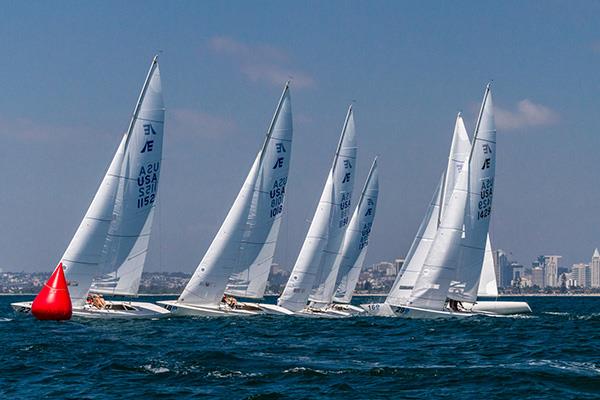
pixel 338 289
pixel 407 276
pixel 115 231
pixel 324 238
pixel 239 259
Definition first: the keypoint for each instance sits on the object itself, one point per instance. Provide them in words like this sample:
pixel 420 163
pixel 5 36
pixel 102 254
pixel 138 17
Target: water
pixel 554 353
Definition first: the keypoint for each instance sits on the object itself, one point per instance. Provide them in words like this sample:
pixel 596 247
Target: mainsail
pixel 115 231
pixel 323 241
pixel 244 246
pixel 356 241
pixel 459 243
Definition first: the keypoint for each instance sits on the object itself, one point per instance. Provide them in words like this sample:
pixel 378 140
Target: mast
pixel 138 105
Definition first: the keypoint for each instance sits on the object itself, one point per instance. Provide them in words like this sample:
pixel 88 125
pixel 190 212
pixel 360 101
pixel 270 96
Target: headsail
pixel 245 242
pixel 460 239
pixel 356 241
pixel 407 276
pixel 323 241
pixel 87 251
pixel 488 286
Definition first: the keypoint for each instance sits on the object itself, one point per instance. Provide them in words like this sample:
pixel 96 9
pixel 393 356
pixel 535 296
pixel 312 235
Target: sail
pixel 479 206
pixel 488 287
pixel 129 235
pixel 458 247
pixel 86 254
pixel 407 276
pixel 415 258
pixel 459 151
pixel 266 210
pixel 356 241
pixel 246 240
pixel 323 241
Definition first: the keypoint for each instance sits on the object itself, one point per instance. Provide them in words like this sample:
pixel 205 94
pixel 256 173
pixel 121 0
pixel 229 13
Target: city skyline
pixel 67 102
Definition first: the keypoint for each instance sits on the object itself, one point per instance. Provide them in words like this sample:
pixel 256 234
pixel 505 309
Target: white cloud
pixel 527 114
pixel 261 63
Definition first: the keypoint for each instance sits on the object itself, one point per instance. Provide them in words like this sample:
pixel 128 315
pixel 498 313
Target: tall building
pixel 595 270
pixel 551 270
pixel 581 274
pixel 518 271
pixel 537 276
pixel 503 268
pixel 398 263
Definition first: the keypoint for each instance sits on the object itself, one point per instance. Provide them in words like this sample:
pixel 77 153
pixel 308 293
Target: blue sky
pixel 73 70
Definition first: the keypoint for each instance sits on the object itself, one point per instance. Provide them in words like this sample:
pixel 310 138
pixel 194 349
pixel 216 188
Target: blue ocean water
pixel 554 353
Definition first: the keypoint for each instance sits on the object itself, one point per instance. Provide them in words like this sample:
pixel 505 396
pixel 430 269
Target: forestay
pixel 460 239
pixel 323 241
pixel 356 240
pixel 122 207
pixel 245 243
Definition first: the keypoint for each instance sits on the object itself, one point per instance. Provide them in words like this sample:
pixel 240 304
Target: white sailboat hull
pixel 274 309
pixel 378 309
pixel 114 309
pixel 501 307
pixel 221 310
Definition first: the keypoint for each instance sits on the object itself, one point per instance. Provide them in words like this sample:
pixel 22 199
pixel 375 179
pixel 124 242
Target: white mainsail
pixel 323 241
pixel 407 276
pixel 459 244
pixel 116 228
pixel 245 243
pixel 356 241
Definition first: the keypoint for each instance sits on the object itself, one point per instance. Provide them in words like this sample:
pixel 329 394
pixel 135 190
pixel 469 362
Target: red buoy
pixel 53 301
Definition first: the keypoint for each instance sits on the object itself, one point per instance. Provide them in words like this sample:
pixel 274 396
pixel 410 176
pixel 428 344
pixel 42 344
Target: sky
pixel 72 71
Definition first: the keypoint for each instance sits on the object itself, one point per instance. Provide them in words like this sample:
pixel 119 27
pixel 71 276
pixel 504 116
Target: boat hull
pixel 221 310
pixel 378 309
pixel 501 307
pixel 115 309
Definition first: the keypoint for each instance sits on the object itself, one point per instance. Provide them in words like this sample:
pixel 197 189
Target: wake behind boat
pixel 115 231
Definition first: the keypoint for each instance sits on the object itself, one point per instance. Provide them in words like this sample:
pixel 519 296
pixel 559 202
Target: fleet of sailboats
pixel 448 272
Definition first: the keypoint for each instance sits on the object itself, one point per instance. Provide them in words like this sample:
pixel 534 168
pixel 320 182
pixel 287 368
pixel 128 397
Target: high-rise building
pixel 518 270
pixel 551 270
pixel 581 274
pixel 537 276
pixel 398 263
pixel 595 270
pixel 503 268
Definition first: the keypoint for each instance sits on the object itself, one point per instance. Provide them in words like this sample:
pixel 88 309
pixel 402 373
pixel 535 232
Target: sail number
pixel 485 202
pixel 277 195
pixel 345 204
pixel 364 235
pixel 147 181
